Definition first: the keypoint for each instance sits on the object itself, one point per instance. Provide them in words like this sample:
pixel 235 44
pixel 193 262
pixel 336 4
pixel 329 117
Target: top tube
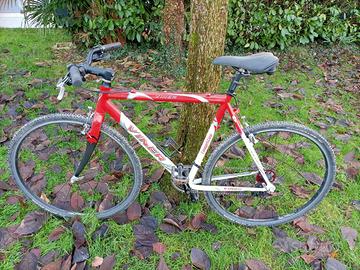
pixel 182 97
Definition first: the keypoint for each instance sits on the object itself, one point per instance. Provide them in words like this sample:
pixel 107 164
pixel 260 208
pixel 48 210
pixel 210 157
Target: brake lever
pixel 61 86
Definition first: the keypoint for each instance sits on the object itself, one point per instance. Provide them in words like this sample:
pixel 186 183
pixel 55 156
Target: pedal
pixel 168 146
pixel 179 176
pixel 180 173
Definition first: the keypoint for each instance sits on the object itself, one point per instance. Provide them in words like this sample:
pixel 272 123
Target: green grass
pixel 238 243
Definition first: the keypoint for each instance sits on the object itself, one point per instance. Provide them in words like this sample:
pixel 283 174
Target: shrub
pixel 268 24
pixel 97 21
pixel 252 24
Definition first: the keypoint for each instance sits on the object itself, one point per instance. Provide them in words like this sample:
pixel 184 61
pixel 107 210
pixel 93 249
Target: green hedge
pixel 252 24
pixel 268 24
pixel 98 21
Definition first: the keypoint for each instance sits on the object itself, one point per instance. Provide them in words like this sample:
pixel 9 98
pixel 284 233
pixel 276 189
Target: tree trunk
pixel 207 40
pixel 173 28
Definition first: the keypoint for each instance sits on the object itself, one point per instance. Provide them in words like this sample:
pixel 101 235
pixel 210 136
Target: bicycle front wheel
pixel 45 153
pixel 298 160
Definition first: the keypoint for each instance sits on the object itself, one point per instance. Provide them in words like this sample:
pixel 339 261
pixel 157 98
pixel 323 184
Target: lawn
pixel 317 86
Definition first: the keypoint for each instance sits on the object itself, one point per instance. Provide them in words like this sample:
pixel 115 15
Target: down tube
pixel 145 142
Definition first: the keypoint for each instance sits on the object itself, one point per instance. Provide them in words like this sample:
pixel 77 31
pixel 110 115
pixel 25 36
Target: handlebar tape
pixel 75 76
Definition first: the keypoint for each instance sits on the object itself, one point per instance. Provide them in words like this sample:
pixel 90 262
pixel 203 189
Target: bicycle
pixel 267 174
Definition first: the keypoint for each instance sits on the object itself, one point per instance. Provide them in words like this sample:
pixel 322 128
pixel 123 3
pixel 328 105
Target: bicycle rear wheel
pixel 45 153
pixel 298 160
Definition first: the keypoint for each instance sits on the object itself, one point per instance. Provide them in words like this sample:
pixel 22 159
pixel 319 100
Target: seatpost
pixel 235 82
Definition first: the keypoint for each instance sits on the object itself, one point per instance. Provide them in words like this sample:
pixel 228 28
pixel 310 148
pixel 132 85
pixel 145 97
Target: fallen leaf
pixel 342 137
pixel 317 265
pixel 76 201
pixel 149 221
pixel 350 235
pixel 278 233
pixel 300 191
pixel 169 228
pixel 78 230
pixel 28 262
pixel 312 178
pixel 102 187
pixel 349 157
pixel 159 197
pixel 134 211
pixel 278 88
pixel 197 220
pixel 100 232
pixel 332 264
pixel 56 233
pixel 80 254
pixel 200 259
pixel 144 239
pixel 27 169
pixel 159 248
pixel 5 186
pixel 36 82
pixel 265 213
pixel 31 223
pixel 162 264
pixel 49 257
pixel 42 64
pixel 156 176
pixel 120 218
pixel 246 211
pixel 352 172
pixel 209 227
pixel 106 202
pixel 108 263
pixel 256 265
pixel 66 263
pixel 306 227
pixel 287 244
pixel 15 199
pixel 323 250
pixel 56 265
pixel 308 258
pixel 238 266
pixel 97 261
pixel 312 242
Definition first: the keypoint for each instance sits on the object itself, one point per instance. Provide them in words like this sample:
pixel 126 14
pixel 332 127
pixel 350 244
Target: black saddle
pixel 264 62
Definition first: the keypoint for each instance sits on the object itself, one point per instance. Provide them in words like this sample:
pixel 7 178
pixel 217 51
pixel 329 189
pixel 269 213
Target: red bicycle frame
pixel 104 106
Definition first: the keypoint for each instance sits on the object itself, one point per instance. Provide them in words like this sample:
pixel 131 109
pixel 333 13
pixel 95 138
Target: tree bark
pixel 174 27
pixel 207 41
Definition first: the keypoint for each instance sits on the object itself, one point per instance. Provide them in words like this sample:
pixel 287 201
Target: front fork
pixel 90 145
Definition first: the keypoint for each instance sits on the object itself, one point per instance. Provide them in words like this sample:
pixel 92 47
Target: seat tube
pixel 238 125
